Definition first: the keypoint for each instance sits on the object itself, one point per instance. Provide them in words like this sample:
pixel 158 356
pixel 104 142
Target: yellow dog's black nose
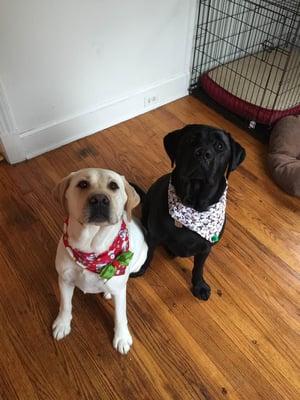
pixel 99 200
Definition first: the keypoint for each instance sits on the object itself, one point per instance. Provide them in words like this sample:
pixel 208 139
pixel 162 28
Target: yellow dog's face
pixel 96 196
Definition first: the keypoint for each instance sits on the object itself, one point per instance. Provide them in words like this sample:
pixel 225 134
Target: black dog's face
pixel 203 152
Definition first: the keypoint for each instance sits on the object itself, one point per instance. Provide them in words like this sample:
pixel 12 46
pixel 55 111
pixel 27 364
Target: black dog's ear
pixel 171 142
pixel 237 156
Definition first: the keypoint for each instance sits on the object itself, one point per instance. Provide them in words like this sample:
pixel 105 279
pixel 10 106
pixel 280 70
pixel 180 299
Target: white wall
pixel 66 65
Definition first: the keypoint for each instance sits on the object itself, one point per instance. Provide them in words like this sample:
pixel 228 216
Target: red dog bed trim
pixel 241 107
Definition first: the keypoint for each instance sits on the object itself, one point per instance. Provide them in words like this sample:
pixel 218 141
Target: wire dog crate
pixel 247 57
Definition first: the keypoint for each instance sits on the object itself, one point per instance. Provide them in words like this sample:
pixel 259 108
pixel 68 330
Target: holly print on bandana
pixel 208 224
pixel 112 262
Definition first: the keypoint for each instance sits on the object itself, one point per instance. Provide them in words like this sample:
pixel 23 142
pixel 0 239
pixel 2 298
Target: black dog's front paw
pixel 201 290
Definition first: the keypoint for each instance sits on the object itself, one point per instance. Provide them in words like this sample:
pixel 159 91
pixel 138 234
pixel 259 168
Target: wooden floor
pixel 241 344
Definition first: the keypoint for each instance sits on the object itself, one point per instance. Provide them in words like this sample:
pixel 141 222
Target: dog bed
pixel 284 154
pixel 252 86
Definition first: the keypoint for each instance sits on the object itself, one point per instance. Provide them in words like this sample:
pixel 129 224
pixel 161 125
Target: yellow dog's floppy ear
pixel 59 192
pixel 133 199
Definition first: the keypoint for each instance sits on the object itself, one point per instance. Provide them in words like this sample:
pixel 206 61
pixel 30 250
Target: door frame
pixel 10 141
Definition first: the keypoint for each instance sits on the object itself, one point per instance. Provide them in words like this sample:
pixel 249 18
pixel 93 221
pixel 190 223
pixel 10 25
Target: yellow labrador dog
pixel 101 245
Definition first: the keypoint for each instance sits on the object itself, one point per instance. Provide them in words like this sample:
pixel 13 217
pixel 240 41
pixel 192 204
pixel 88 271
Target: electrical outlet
pixel 150 100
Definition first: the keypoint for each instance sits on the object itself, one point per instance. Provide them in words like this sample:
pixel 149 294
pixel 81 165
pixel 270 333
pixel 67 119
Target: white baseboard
pixel 43 139
pixel 12 148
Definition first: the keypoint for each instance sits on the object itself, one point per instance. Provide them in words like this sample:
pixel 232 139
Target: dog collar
pixel 112 262
pixel 208 224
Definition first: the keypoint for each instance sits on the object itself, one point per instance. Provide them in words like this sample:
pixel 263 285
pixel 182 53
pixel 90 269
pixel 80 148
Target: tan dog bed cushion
pixel 284 154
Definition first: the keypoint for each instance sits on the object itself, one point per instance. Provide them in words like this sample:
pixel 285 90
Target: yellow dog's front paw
pixel 61 327
pixel 122 341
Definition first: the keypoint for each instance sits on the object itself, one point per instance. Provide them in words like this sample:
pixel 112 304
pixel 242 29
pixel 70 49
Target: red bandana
pixel 108 264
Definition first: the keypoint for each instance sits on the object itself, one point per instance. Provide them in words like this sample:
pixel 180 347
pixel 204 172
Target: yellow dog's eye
pixel 83 184
pixel 113 185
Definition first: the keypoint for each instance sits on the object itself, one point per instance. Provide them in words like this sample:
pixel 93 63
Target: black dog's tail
pixel 139 191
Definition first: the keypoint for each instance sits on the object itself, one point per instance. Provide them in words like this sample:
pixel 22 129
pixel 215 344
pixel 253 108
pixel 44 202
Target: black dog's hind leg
pixel 151 244
pixel 142 270
pixel 200 288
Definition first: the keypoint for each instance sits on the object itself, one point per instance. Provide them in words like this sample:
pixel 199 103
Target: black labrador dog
pixel 202 155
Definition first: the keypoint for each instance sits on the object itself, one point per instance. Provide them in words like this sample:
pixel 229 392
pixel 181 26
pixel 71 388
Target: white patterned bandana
pixel 208 224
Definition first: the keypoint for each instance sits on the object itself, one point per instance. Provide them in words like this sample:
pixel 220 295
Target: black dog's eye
pixel 192 141
pixel 219 146
pixel 113 186
pixel 83 184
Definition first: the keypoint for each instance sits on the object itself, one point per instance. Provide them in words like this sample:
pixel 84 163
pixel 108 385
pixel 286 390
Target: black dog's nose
pixel 99 199
pixel 204 153
pixel 208 154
